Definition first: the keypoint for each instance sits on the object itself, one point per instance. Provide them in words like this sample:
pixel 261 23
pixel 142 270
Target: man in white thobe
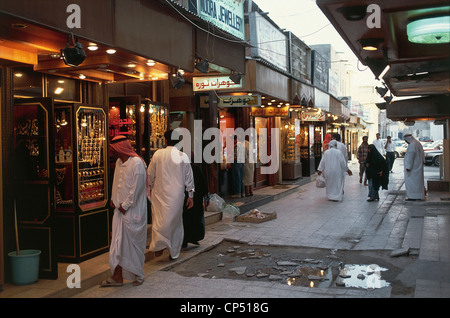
pixel 169 176
pixel 333 166
pixel 129 225
pixel 340 146
pixel 378 143
pixel 413 165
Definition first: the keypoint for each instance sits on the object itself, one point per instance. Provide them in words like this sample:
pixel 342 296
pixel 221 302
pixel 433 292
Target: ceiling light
pixel 18 74
pixel 353 13
pixel 73 56
pixel 202 65
pixel 59 90
pixel 236 78
pixel 151 63
pixel 431 30
pixel 370 44
pixel 82 76
pixel 177 80
pixel 131 65
pixel 110 51
pixel 93 47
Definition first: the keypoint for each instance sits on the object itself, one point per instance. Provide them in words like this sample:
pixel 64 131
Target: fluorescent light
pixel 386 69
pixel 431 30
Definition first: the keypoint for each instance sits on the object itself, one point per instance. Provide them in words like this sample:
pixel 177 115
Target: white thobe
pixel 378 143
pixel 343 149
pixel 333 167
pixel 414 178
pixel 129 230
pixel 169 175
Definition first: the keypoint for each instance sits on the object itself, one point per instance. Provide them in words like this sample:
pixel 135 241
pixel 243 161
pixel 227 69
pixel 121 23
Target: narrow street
pixel 309 227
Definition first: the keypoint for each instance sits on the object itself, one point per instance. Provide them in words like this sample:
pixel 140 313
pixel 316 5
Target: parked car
pixel 400 150
pixel 425 139
pixel 432 153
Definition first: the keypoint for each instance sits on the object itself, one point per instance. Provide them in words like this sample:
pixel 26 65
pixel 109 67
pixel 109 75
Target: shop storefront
pixel 59 119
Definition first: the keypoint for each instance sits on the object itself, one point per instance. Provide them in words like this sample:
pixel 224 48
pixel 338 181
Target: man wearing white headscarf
pixel 129 225
pixel 169 176
pixel 413 165
pixel 333 166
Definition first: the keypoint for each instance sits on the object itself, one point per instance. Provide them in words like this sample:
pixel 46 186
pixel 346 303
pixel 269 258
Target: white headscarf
pixel 332 144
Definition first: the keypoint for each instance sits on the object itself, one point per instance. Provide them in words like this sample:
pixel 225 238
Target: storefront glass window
pixel 27 83
pixel 61 88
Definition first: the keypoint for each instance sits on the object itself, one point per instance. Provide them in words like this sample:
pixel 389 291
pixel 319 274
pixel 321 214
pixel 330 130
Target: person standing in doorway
pixel 169 176
pixel 237 170
pixel 413 165
pixel 363 150
pixel 390 153
pixel 129 225
pixel 379 144
pixel 249 168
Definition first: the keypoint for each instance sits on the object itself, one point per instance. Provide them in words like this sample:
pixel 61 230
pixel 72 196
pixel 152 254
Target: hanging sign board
pixel 312 116
pixel 233 101
pixel 215 83
pixel 270 111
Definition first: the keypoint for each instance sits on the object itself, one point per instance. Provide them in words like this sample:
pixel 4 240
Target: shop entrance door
pixel 34 179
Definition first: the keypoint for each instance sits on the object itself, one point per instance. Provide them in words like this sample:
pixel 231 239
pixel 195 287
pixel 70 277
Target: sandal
pixel 109 282
pixel 138 281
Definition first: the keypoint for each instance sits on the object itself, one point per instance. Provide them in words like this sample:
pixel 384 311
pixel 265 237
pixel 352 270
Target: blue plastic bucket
pixel 24 267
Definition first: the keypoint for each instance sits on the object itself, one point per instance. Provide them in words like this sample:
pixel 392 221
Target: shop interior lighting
pixel 73 56
pixel 236 78
pixel 151 63
pixel 370 44
pixel 110 51
pixel 202 65
pixel 92 47
pixel 59 90
pixel 429 30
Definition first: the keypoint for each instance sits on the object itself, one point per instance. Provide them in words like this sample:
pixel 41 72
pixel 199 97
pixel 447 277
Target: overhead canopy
pixel 416 69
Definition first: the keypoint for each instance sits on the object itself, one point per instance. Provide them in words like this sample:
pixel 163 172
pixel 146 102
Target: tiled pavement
pixel 304 218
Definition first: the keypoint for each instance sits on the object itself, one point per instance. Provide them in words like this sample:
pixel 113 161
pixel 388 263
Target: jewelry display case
pixel 81 183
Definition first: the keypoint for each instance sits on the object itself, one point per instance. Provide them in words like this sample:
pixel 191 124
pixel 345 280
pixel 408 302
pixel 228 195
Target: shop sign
pixel 233 101
pixel 312 116
pixel 214 83
pixel 270 111
pixel 227 15
pixel 268 42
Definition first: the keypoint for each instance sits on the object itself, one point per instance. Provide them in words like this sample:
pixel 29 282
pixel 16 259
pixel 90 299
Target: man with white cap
pixel 129 225
pixel 413 165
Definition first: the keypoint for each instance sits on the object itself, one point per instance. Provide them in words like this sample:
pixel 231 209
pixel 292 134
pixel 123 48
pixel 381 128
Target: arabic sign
pixel 270 111
pixel 312 116
pixel 227 15
pixel 233 101
pixel 214 83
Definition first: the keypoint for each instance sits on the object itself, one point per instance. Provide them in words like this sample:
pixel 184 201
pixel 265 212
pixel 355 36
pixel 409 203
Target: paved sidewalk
pixel 305 218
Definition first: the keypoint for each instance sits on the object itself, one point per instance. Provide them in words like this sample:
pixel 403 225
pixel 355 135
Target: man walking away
pixel 169 176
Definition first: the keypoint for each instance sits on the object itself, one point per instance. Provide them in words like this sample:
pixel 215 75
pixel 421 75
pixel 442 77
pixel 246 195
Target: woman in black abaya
pixel 377 173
